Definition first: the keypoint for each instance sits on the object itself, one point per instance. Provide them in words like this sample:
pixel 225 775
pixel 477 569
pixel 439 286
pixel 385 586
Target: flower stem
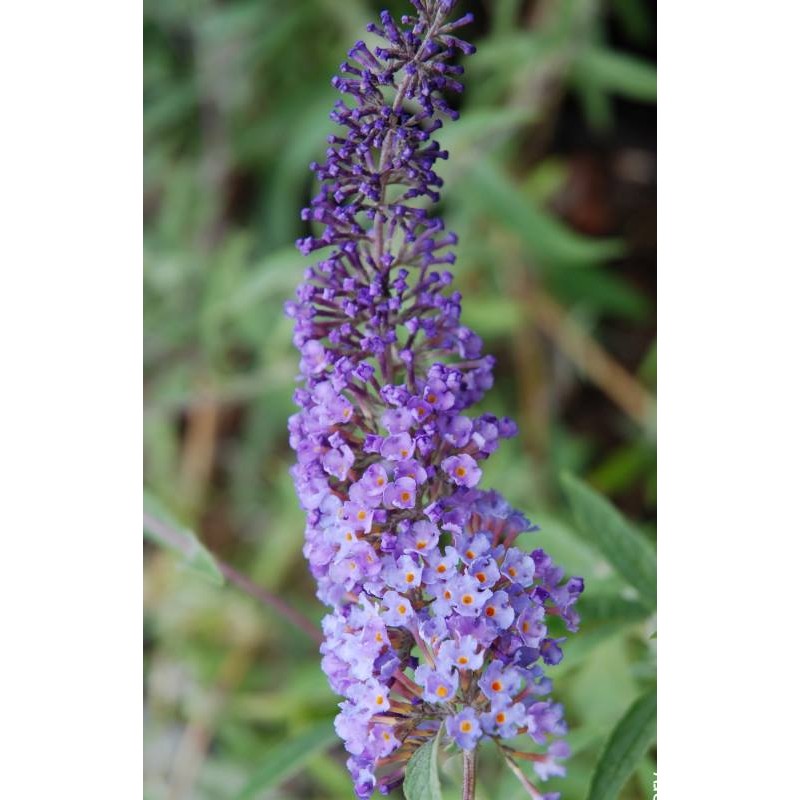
pixel 179 541
pixel 270 600
pixel 468 792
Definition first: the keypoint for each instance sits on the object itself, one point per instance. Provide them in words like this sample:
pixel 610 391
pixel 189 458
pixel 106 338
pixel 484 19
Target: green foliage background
pixel 550 186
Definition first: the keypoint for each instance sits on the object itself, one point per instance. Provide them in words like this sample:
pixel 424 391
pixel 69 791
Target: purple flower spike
pixel 435 617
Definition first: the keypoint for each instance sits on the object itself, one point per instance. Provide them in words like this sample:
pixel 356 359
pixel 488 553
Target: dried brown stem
pixel 600 367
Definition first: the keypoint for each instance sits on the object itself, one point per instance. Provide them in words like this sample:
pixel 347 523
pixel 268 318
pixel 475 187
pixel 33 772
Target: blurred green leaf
pixel 627 745
pixel 504 18
pixel 603 617
pixel 611 608
pixel 624 547
pixel 600 289
pixel 602 686
pixel 162 528
pixel 635 18
pixel 422 773
pixel 276 274
pixel 648 369
pixel 548 239
pixel 478 132
pixel 618 73
pixel 495 316
pixel 595 100
pixel 301 692
pixel 328 773
pixel 287 758
pixel 509 52
pixel 621 469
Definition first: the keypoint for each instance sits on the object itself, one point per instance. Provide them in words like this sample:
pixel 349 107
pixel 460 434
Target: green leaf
pixel 635 18
pixel 625 548
pixel 273 276
pixel 627 745
pixel 287 758
pixel 548 239
pixel 160 527
pixel 422 774
pixel 478 133
pixel 615 72
pixel 601 290
pixel 610 608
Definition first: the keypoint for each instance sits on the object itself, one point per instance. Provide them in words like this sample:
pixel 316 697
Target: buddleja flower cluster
pixel 437 617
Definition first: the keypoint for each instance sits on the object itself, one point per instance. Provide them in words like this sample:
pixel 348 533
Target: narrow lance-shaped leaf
pixel 625 548
pixel 628 744
pixel 161 528
pixel 619 73
pixel 422 773
pixel 548 239
pixel 287 759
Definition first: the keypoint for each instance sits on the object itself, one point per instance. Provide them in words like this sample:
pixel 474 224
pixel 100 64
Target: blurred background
pixel 551 188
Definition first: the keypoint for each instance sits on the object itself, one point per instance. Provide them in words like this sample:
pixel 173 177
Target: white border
pixel 728 399
pixel 70 327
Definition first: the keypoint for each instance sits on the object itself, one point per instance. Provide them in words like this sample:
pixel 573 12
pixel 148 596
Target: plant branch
pixel 534 793
pixel 268 599
pixel 180 542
